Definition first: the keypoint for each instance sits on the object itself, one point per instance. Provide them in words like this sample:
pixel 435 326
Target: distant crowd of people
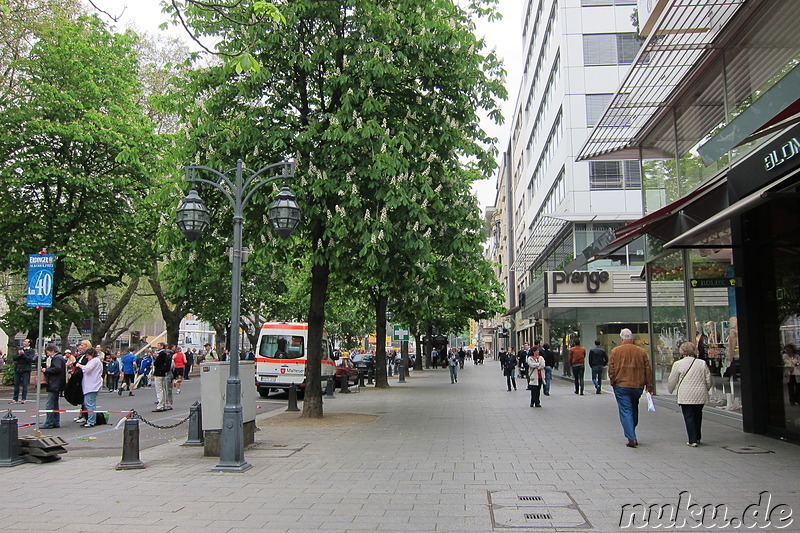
pixel 80 376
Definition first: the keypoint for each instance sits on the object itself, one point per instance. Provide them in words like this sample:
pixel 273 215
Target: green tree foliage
pixel 19 21
pixel 379 102
pixel 76 159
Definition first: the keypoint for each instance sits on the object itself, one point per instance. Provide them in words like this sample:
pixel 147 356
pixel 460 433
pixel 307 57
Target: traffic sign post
pixel 40 296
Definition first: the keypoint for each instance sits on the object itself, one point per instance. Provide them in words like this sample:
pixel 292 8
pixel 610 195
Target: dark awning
pixel 675 218
pixel 719 221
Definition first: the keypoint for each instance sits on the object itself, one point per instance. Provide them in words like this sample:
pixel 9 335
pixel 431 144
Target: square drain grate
pixel 553 511
pixel 747 449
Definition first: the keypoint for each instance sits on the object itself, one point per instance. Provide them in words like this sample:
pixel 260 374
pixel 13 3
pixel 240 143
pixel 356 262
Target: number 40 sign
pixel 40 280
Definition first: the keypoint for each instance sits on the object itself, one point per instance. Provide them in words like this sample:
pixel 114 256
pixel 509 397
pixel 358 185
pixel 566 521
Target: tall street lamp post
pixel 192 218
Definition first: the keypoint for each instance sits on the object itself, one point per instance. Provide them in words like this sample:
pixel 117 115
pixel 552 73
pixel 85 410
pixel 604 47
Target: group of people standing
pixel 79 376
pixel 535 365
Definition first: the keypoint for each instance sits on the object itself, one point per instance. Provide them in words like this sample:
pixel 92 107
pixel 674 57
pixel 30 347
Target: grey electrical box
pixel 213 381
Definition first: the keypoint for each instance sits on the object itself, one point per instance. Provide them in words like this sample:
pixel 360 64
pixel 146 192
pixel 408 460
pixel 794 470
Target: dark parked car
pixel 365 363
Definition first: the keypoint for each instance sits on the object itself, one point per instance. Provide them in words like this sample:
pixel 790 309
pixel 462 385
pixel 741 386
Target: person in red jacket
pixel 179 362
pixel 577 360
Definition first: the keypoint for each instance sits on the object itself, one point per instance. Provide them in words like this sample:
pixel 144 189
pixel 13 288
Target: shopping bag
pixel 650 405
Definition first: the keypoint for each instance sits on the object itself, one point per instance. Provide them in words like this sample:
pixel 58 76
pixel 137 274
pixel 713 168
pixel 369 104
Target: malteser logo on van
pixel 592 280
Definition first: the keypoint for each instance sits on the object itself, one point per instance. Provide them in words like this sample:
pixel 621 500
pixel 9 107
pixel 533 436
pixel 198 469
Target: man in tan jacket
pixel 629 373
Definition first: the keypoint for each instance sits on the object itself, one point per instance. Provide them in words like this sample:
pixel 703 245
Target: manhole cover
pixel 747 449
pixel 553 511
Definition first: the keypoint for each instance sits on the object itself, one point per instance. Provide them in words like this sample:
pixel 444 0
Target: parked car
pixel 365 363
pixel 345 369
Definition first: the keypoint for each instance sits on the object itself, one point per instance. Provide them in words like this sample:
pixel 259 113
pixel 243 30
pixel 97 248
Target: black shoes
pixel 632 443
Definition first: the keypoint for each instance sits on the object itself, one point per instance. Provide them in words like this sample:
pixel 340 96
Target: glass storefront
pixel 778 222
pixel 687 306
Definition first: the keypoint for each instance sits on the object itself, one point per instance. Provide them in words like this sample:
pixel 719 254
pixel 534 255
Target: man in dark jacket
pixel 161 366
pixel 549 364
pixel 22 370
pixel 510 368
pixel 55 369
pixel 597 361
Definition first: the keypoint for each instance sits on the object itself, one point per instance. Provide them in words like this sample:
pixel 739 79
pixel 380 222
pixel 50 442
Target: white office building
pixel 549 208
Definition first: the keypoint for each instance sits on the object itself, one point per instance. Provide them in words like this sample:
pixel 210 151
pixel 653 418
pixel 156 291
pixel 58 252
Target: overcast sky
pixel 504 35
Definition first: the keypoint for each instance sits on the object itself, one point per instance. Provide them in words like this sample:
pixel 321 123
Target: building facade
pixel 550 208
pixel 715 96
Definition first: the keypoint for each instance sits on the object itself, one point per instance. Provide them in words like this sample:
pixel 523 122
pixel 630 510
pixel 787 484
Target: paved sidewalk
pixel 437 457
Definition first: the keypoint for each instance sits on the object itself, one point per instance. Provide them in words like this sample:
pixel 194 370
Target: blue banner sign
pixel 40 280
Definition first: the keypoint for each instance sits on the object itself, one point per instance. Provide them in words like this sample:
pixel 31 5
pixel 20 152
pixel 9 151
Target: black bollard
pixel 293 398
pixel 360 379
pixel 130 446
pixel 370 376
pixel 9 441
pixel 401 371
pixel 329 388
pixel 345 385
pixel 195 426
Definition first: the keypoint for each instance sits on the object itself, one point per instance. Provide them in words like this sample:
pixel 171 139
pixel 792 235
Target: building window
pixel 595 105
pixel 610 48
pixel 592 3
pixel 614 175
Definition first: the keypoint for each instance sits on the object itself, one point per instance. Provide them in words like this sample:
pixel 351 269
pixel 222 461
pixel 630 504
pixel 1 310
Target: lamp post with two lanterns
pixel 192 218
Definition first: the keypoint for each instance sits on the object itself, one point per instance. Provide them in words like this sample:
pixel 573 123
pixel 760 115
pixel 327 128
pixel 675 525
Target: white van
pixel 281 356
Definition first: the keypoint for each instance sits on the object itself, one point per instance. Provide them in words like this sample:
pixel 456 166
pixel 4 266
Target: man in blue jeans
pixel 629 373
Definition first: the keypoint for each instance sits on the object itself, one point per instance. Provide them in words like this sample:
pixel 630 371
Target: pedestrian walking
pixel 629 373
pixel 25 357
pixel 211 354
pixel 536 365
pixel 112 373
pixel 598 359
pixel 452 362
pixel 178 368
pixel 522 361
pixel 128 371
pixel 692 379
pixel 160 371
pixel 577 361
pixel 144 367
pixel 549 364
pixel 510 369
pixel 190 364
pixel 55 370
pixel 91 382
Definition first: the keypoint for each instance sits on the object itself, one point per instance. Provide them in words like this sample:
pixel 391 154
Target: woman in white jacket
pixel 692 378
pixel 535 376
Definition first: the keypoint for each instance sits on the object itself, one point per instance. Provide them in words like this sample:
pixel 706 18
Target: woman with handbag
pixel 692 379
pixel 536 365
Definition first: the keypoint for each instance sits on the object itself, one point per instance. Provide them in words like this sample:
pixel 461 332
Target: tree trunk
pixel 420 352
pixel 172 315
pixel 312 405
pixel 221 338
pixel 63 332
pixel 381 380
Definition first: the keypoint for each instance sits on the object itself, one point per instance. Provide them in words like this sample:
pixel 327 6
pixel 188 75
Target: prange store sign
pixel 580 282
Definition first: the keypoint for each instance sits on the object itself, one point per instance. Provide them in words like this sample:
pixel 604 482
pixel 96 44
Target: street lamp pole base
pixel 232 468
